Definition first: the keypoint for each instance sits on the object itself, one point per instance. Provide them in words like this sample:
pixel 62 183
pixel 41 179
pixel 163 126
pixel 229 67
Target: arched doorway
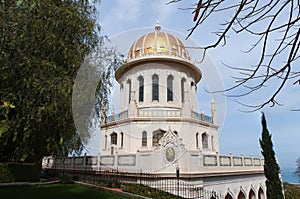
pixel 261 194
pixel 204 141
pixel 241 195
pixel 228 196
pixel 251 194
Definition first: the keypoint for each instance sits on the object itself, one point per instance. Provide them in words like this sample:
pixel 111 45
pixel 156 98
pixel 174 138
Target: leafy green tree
pixel 271 168
pixel 43 44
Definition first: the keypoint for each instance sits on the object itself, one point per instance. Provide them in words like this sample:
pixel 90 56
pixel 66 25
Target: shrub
pixel 5 174
pixel 148 191
pixel 17 172
pixel 291 191
pixel 105 182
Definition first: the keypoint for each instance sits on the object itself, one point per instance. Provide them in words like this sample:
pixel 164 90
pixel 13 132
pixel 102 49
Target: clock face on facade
pixel 170 154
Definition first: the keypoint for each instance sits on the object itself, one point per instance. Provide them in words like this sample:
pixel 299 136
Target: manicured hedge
pixel 5 174
pixel 148 191
pixel 17 172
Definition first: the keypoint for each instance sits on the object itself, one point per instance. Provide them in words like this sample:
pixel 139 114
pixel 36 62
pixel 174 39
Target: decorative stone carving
pixel 133 105
pixel 107 160
pixel 225 161
pixel 210 160
pixel 170 138
pixel 170 154
pixel 127 160
pixel 237 161
pixel 248 161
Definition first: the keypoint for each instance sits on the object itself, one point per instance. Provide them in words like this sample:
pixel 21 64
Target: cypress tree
pixel 271 168
pixel 298 167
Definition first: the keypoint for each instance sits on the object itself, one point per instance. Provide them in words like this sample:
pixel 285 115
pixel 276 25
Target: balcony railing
pixel 232 161
pixel 120 116
pixel 159 113
pixel 201 117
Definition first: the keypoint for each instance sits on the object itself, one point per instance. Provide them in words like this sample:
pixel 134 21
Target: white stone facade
pixel 159 127
pixel 159 130
pixel 175 107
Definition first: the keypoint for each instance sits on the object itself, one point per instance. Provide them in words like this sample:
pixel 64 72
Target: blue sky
pixel 239 132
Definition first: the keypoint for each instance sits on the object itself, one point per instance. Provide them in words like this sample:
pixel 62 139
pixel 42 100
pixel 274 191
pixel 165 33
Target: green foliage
pixel 25 172
pixel 65 179
pixel 113 182
pixel 147 191
pixel 92 87
pixel 43 43
pixel 5 174
pixel 291 191
pixel 271 168
pixel 11 172
pixel 56 191
pixel 100 181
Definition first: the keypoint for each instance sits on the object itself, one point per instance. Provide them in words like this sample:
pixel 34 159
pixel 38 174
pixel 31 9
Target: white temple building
pixel 159 129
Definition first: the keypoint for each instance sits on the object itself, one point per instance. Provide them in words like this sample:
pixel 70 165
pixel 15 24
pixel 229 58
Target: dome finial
pixel 157 26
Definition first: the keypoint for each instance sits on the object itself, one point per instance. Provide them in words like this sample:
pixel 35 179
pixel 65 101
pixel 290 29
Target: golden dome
pixel 158 43
pixel 158 46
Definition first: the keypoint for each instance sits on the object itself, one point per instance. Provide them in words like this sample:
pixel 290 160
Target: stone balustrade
pixel 117 117
pixel 222 160
pixel 158 113
pixel 202 163
pixel 201 117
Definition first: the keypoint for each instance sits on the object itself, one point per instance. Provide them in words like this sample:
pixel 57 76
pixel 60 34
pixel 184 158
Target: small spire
pixel 213 111
pixel 113 114
pixel 157 26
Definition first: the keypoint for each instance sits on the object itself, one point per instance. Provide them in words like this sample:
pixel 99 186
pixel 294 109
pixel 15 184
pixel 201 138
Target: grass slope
pixel 55 191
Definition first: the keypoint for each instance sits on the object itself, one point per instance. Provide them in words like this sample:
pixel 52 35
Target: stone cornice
pixel 157 119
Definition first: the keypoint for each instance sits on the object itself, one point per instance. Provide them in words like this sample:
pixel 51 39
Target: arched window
pixel 241 195
pixel 141 88
pixel 129 90
pixel 105 142
pixel 157 135
pixel 204 141
pixel 197 140
pixel 155 87
pixel 144 138
pixel 192 84
pixel 212 142
pixel 170 88
pixel 122 139
pixel 182 89
pixel 261 194
pixel 112 150
pixel 114 138
pixel 251 194
pixel 228 196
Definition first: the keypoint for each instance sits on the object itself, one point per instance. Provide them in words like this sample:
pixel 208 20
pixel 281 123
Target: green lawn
pixel 55 191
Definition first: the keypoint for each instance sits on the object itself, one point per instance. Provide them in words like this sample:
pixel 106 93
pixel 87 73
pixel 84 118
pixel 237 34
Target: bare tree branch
pixel 275 25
